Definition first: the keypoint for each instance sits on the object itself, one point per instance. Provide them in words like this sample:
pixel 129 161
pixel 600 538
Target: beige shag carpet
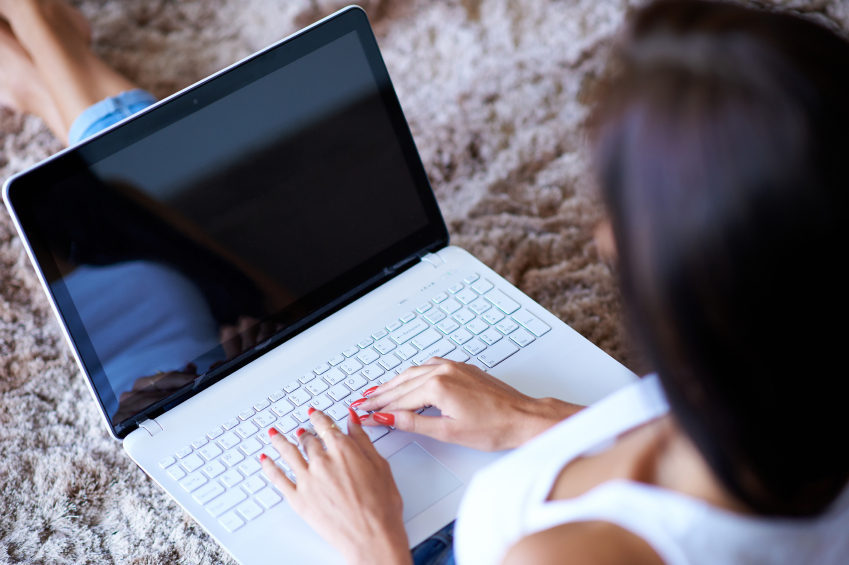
pixel 495 91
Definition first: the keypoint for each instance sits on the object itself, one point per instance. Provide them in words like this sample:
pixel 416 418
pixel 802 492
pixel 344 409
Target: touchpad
pixel 422 480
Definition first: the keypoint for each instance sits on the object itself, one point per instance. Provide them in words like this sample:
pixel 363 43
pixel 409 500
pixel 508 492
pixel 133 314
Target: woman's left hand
pixel 346 492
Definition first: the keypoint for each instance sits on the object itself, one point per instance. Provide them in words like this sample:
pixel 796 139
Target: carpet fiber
pixel 495 92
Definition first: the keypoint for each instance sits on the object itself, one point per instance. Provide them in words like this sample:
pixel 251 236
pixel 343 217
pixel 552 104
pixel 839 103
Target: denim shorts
pixel 108 112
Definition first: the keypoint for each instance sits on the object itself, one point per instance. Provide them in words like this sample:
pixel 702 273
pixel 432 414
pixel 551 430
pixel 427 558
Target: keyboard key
pixel 282 407
pixel 375 432
pixel 249 510
pixel 424 307
pixel 335 376
pixel 246 415
pixel 305 378
pixel 457 355
pixel 435 316
pixel 275 396
pixel 406 351
pixel 466 296
pixel 440 297
pixel 232 477
pixel 351 351
pixel 522 337
pixel 393 326
pixel 210 452
pixel 474 347
pixel 292 387
pixel 285 424
pixel 192 463
pixel 408 317
pixel 269 452
pixel 460 336
pixel 450 306
pixel 225 502
pixel 254 484
pixel 380 335
pixel 480 306
pixel 200 442
pixel 193 482
pixel 231 522
pixel 323 368
pixel 213 469
pixel 184 451
pixel 214 433
pixel 336 359
pixel 439 349
pixel 231 423
pixel 246 430
pixel 493 316
pixel 232 458
pixel 471 278
pixel 426 339
pixel 479 364
pixel 351 366
pixel 498 353
pixel 463 317
pixel 389 362
pixel 176 473
pixel 338 392
pixel 265 419
pixel 408 332
pixel 301 413
pixel 531 322
pixel 454 289
pixel 384 346
pixel 372 372
pixel 299 397
pixel 337 411
pixel 208 492
pixel 403 367
pixel 368 356
pixel 249 467
pixel 482 286
pixel 317 387
pixel 502 301
pixel 268 498
pixel 322 402
pixel 490 336
pixel 259 407
pixel 228 440
pixel 355 382
pixel 447 326
pixel 507 326
pixel 250 446
pixel 477 327
pixel 367 342
pixel 167 462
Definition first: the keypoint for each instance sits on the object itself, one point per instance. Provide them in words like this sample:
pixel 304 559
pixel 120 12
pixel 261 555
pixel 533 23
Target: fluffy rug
pixel 495 91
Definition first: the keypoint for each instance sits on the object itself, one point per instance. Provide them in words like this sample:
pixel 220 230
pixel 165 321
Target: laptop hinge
pixel 433 259
pixel 152 426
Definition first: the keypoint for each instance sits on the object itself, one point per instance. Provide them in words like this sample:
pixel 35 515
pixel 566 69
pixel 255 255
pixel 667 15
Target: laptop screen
pixel 229 215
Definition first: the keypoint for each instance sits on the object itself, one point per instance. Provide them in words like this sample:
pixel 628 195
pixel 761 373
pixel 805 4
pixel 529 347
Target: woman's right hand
pixel 478 410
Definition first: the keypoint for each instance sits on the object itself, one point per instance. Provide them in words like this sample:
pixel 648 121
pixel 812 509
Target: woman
pixel 719 146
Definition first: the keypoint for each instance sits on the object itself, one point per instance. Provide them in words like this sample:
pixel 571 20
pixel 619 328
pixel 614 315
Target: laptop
pixel 265 241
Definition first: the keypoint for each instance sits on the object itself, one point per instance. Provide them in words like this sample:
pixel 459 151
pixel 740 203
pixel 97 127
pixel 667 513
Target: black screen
pixel 284 184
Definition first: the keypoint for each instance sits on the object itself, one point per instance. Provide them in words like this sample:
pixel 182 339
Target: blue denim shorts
pixel 108 112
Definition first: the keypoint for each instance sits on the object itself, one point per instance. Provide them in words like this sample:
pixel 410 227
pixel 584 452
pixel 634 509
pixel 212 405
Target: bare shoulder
pixel 585 543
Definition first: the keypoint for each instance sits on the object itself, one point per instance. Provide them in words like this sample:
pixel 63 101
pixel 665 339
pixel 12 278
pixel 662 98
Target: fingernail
pixel 353 415
pixel 383 418
pixel 310 411
pixel 300 432
pixel 263 457
pixel 363 418
pixel 368 391
pixel 272 432
pixel 356 403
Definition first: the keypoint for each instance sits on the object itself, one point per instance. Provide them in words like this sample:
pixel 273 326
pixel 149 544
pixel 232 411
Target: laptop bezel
pixel 20 190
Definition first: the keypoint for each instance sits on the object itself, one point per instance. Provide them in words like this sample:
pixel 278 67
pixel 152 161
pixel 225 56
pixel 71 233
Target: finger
pixel 326 428
pixel 290 454
pixel 382 401
pixel 356 433
pixel 409 374
pixel 436 427
pixel 276 476
pixel 312 446
pixel 436 361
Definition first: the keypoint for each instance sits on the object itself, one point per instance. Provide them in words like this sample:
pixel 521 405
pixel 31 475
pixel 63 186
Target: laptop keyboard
pixel 473 322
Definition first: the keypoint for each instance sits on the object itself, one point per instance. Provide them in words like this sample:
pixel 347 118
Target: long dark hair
pixel 722 146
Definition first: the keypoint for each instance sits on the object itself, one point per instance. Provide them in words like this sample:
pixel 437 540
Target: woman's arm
pixel 478 410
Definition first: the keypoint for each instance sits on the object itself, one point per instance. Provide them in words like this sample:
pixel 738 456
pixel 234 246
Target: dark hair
pixel 722 145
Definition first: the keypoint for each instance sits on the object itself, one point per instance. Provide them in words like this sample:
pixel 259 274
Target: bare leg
pixel 74 76
pixel 21 85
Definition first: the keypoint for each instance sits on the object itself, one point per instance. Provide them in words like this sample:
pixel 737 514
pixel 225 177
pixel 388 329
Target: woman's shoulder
pixel 585 543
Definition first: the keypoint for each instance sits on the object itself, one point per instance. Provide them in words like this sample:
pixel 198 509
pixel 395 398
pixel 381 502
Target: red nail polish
pixel 300 432
pixel 353 415
pixel 272 432
pixel 263 457
pixel 368 391
pixel 383 418
pixel 363 418
pixel 310 411
pixel 356 403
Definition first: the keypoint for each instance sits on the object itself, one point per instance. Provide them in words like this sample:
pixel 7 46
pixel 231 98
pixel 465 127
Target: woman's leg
pixel 57 43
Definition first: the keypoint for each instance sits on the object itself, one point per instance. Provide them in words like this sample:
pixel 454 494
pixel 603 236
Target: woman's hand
pixel 346 492
pixel 478 410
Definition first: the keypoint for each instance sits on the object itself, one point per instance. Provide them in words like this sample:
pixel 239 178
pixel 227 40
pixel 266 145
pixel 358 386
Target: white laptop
pixel 262 242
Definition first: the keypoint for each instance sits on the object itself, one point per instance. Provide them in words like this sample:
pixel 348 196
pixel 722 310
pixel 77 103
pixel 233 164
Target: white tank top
pixel 506 501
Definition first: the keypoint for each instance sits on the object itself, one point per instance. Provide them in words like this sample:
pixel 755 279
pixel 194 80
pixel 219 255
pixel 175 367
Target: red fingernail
pixel 310 411
pixel 368 391
pixel 263 457
pixel 300 432
pixel 356 403
pixel 383 418
pixel 363 418
pixel 272 432
pixel 353 415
